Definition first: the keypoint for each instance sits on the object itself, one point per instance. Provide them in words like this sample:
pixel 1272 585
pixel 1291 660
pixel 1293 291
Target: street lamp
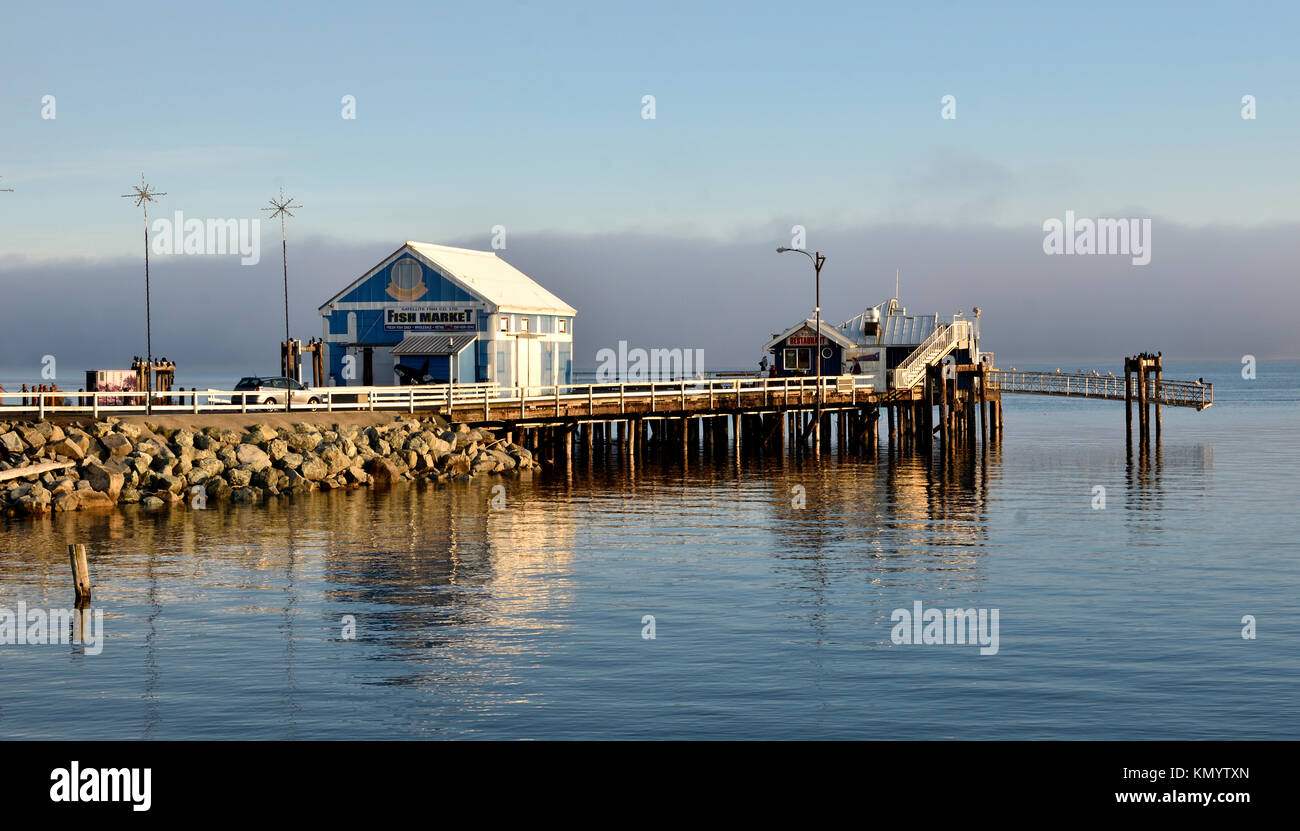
pixel 817 261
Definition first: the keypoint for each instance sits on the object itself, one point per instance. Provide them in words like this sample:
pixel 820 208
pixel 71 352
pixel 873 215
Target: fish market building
pixel 434 314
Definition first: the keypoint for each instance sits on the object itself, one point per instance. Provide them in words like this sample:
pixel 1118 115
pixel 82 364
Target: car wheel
pixel 269 401
pixel 313 400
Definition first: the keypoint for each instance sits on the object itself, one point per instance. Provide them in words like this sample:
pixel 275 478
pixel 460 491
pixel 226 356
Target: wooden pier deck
pixel 968 400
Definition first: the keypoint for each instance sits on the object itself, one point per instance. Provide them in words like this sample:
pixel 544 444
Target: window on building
pixel 505 323
pixel 523 324
pixel 797 359
pixel 564 326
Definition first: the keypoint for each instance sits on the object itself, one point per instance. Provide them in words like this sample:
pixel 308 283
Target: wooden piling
pixel 1160 375
pixel 1128 402
pixel 984 408
pixel 944 438
pixel 1142 401
pixel 80 572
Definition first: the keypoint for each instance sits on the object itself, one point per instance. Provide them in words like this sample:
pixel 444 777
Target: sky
pixel 660 231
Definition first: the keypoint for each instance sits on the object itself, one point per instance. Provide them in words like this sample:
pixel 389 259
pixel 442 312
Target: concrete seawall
pixel 69 465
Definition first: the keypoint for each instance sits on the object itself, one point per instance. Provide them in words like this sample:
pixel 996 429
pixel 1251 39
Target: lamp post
pixel 817 261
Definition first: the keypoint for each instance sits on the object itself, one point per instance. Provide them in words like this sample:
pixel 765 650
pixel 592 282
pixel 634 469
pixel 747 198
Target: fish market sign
pixel 428 319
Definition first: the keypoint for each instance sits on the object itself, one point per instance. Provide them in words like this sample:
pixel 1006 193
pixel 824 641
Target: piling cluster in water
pixel 110 462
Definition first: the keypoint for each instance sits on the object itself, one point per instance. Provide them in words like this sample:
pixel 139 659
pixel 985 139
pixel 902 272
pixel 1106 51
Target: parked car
pixel 272 390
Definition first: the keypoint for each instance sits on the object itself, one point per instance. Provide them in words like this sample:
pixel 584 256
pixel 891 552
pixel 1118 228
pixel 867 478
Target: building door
pixel 368 367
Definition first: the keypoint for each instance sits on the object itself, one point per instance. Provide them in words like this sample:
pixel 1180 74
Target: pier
pixel 948 406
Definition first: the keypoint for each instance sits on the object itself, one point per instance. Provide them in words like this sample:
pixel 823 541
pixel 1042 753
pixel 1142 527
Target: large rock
pixel 218 489
pixel 117 444
pixel 383 473
pixel 67 448
pixel 11 443
pixel 335 459
pixel 250 454
pixel 94 501
pixel 303 442
pixel 131 431
pixel 260 434
pixel 313 469
pixel 31 437
pixel 103 479
pixel 240 476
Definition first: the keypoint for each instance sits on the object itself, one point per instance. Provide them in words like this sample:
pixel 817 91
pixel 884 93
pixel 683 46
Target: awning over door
pixel 433 345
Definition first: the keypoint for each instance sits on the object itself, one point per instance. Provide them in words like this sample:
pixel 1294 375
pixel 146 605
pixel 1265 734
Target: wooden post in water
pixel 80 573
pixel 944 437
pixel 1159 391
pixel 1128 403
pixel 1142 400
pixel 984 408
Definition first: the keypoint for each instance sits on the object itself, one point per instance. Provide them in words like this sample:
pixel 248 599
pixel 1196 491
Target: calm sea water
pixel 770 621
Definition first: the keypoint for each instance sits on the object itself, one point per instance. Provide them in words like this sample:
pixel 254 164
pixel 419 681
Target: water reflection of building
pixel 902 515
pixel 441 555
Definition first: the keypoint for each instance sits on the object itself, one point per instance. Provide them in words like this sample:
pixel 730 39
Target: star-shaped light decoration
pixel 143 193
pixel 281 207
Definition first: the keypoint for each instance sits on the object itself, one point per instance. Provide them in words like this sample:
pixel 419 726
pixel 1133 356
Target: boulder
pixel 261 434
pixel 67 448
pixel 30 436
pixel 335 459
pixel 313 469
pixel 11 443
pixel 94 501
pixel 250 454
pixel 218 489
pixel 131 431
pixel 117 444
pixel 104 479
pixel 383 473
pixel 240 477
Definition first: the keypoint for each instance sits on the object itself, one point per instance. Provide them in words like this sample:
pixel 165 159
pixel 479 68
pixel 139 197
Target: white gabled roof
pixel 492 278
pixel 829 332
pixel 482 274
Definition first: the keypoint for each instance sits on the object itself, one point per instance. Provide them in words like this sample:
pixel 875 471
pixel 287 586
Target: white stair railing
pixel 945 338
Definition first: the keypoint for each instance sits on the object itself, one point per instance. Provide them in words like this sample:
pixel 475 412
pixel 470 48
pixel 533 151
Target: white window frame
pixel 799 353
pixel 564 326
pixel 505 323
pixel 523 324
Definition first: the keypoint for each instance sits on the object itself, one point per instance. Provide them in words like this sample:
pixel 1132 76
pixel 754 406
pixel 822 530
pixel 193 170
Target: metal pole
pixel 148 321
pixel 817 268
